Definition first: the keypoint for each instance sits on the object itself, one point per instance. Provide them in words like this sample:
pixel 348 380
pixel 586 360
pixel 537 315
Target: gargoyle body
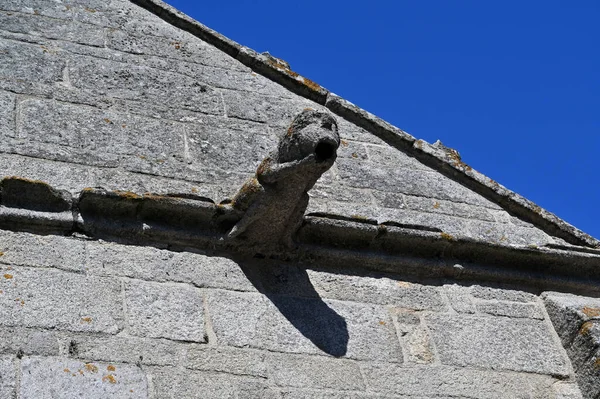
pixel 272 203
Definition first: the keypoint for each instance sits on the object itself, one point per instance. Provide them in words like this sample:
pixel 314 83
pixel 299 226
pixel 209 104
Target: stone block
pixel 229 145
pixel 510 309
pixel 350 131
pixel 418 346
pixel 123 349
pixel 30 63
pixel 334 191
pixel 27 341
pixel 8 377
pixel 146 263
pixel 460 298
pixel 457 209
pixel 507 234
pixel 170 382
pixel 226 360
pixel 24 249
pixel 55 377
pixel 315 372
pixel 275 111
pixel 100 137
pixel 145 90
pixel 185 48
pixel 60 300
pixel 37 25
pixel 569 312
pixel 173 311
pixel 352 149
pixel 376 289
pixel 322 394
pixel 61 175
pixel 498 343
pixel 390 156
pixel 7 114
pixel 566 390
pixel 451 382
pixel 407 181
pixel 588 376
pixel 303 325
pixel 489 293
pixel 245 81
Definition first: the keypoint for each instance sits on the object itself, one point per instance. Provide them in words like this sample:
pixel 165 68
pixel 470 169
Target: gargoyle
pixel 269 207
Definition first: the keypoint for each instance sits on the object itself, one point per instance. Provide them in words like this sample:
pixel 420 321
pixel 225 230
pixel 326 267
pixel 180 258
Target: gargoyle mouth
pixel 324 151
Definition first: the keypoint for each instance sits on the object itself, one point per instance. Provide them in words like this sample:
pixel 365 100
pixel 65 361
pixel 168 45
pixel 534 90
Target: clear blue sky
pixel 514 86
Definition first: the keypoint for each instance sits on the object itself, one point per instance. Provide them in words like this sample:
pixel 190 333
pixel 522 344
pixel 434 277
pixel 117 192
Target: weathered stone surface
pixel 24 249
pixel 229 144
pixel 460 298
pixel 483 292
pixel 160 310
pixel 566 390
pixel 8 377
pixel 408 181
pixel 450 382
pixel 497 343
pixel 418 346
pixel 191 50
pixel 226 360
pixel 29 62
pixel 54 377
pixel 315 372
pixel 274 111
pixel 55 299
pixel 322 394
pixel 376 289
pixel 37 25
pixel 501 233
pixel 303 325
pixel 577 322
pixel 18 340
pixel 145 90
pixel 568 312
pixel 124 349
pixel 385 155
pixel 588 376
pixel 100 137
pixel 7 114
pixel 462 210
pixel 334 191
pixel 173 383
pixel 105 258
pixel 510 309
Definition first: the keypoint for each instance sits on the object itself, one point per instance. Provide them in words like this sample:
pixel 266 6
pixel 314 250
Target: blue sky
pixel 514 86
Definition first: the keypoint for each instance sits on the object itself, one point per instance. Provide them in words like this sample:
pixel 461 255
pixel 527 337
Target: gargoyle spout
pixel 269 207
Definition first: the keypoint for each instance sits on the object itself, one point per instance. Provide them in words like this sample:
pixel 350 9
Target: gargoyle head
pixel 311 132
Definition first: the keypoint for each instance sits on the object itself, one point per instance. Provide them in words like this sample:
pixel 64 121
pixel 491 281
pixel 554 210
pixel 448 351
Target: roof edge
pixel 449 165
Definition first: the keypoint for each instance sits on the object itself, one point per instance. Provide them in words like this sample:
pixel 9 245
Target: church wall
pixel 101 318
pixel 104 94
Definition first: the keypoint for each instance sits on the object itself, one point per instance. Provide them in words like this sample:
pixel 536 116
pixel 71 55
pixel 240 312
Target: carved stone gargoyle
pixel 268 209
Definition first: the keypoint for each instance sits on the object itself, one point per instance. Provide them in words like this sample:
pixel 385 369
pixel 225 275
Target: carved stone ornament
pixel 269 208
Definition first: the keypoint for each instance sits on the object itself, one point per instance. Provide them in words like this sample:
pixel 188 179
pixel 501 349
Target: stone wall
pixel 107 320
pixel 104 94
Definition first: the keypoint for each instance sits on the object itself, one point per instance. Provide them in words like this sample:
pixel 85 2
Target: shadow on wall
pixel 291 291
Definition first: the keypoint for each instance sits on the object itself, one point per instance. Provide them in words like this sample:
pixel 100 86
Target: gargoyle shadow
pixel 289 288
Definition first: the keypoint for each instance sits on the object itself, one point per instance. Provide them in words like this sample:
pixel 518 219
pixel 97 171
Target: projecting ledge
pixel 182 222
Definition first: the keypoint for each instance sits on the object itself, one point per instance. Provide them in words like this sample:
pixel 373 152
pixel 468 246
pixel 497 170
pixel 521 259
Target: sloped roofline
pixel 445 162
